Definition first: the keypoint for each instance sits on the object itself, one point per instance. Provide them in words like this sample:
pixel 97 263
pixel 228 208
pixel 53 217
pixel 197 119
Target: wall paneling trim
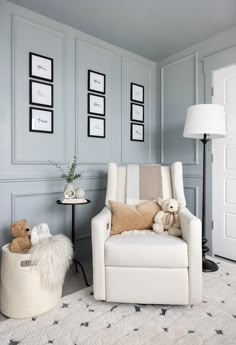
pixel 28 147
pixel 178 80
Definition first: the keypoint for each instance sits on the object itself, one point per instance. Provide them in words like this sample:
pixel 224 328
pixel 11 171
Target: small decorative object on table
pixel 70 175
pixel 79 193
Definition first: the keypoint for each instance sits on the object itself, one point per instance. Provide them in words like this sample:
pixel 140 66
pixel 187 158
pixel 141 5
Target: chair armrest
pixel 102 222
pixel 191 227
pixel 101 228
pixel 192 234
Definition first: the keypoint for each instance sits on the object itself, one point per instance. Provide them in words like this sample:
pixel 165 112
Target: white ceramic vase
pixel 69 191
pixel 79 193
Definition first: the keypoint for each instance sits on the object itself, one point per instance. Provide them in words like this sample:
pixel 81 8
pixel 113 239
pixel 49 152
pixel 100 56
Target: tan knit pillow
pixel 126 217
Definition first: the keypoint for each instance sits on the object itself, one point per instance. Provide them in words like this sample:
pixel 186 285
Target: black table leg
pixel 82 269
pixel 73 241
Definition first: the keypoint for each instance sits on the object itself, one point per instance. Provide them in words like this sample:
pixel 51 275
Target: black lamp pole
pixel 207 265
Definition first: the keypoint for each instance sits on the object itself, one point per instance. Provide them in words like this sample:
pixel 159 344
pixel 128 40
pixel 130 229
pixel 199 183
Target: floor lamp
pixel 205 122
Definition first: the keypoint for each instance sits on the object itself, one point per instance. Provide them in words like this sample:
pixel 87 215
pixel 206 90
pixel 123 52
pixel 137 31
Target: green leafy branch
pixel 70 174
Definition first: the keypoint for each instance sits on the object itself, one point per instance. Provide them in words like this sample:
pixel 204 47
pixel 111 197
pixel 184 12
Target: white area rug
pixel 81 320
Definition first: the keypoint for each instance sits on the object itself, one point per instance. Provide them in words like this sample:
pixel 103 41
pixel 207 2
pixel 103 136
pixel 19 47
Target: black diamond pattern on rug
pixel 85 324
pixel 65 305
pixel 115 306
pixel 14 342
pixel 219 331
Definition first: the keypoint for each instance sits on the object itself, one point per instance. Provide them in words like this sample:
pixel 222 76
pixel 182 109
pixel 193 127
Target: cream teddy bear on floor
pixel 167 219
pixel 39 233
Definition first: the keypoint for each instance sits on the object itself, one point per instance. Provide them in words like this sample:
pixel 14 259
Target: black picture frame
pixel 133 135
pixel 101 102
pixel 93 132
pixel 133 109
pixel 31 118
pixel 91 76
pixel 134 88
pixel 32 74
pixel 31 96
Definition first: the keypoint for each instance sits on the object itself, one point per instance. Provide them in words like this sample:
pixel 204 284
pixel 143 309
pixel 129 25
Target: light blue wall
pixel 29 185
pixel 184 79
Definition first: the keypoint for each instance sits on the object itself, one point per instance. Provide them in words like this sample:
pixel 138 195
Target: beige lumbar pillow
pixel 126 217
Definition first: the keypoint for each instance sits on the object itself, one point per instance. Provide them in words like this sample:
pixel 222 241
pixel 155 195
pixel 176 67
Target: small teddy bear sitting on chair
pixel 167 219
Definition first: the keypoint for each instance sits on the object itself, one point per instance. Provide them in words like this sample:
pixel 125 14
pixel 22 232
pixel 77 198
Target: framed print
pixel 96 127
pixel 40 67
pixel 137 93
pixel 96 104
pixel 41 120
pixel 137 112
pixel 96 82
pixel 136 132
pixel 41 93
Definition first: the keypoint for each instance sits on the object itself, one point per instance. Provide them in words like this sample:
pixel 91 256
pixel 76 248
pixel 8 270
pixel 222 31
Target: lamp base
pixel 208 265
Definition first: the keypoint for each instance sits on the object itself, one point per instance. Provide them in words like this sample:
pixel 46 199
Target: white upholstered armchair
pixel 147 268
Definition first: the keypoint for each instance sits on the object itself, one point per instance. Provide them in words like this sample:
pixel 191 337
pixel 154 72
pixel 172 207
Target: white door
pixel 224 167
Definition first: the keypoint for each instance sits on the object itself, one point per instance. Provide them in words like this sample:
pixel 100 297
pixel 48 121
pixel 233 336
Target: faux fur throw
pixel 53 257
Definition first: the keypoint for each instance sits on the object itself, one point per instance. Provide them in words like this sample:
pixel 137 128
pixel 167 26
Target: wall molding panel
pixel 16 196
pixel 20 100
pixel 96 58
pixel 141 73
pixel 196 200
pixel 192 83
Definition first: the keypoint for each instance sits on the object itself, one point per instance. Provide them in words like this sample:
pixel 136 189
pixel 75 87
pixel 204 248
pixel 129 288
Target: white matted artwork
pixel 96 127
pixel 136 93
pixel 137 112
pixel 136 132
pixel 41 93
pixel 96 82
pixel 41 67
pixel 96 104
pixel 41 120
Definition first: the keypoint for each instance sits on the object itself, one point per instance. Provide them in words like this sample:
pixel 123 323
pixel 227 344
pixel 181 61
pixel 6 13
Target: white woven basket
pixel 22 294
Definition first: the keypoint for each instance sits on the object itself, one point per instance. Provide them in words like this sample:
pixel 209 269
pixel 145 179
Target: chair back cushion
pixel 172 183
pixel 143 182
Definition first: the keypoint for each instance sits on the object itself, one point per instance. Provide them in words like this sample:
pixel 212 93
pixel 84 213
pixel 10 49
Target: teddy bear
pixel 167 219
pixel 21 233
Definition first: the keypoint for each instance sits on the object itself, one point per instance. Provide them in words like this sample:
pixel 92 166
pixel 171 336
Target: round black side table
pixel 77 262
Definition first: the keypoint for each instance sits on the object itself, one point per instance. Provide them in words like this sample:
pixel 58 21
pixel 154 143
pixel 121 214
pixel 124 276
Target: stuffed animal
pixel 39 233
pixel 167 219
pixel 21 233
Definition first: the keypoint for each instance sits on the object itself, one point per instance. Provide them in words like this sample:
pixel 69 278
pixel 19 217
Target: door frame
pixel 222 59
pixel 213 169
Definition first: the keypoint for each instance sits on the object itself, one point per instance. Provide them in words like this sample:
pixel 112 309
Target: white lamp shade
pixel 203 119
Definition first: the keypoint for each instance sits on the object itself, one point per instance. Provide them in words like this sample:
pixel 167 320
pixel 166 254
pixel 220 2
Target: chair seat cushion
pixel 146 250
